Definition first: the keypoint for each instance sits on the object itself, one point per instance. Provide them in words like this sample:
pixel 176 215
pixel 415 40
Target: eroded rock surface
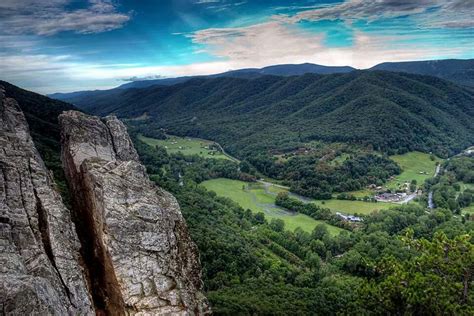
pixel 139 255
pixel 40 271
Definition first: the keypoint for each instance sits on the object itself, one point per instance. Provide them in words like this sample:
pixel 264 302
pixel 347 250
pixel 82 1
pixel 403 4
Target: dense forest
pixel 316 176
pixel 391 263
pixel 460 71
pixel 391 112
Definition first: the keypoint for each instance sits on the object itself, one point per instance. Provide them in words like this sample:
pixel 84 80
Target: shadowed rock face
pixel 40 271
pixel 139 255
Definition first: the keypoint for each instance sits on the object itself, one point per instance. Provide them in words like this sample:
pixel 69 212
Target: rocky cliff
pixel 123 249
pixel 139 256
pixel 40 264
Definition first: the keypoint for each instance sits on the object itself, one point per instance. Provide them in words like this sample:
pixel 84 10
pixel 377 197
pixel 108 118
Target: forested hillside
pixel 391 112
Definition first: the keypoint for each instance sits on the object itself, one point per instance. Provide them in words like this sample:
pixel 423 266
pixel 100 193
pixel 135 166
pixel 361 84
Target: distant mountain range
pixel 248 73
pixel 393 112
pixel 460 71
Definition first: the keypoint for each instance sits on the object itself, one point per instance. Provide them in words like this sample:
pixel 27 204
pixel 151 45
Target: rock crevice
pixel 40 271
pixel 135 241
pixel 123 249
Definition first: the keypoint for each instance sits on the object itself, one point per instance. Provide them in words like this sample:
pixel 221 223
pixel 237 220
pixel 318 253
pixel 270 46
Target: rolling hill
pixel 393 112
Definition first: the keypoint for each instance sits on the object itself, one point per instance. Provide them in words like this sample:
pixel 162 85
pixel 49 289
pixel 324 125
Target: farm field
pixel 186 145
pixel 412 164
pixel 354 207
pixel 253 196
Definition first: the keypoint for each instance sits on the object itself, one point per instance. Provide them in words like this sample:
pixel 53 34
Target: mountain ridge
pixel 425 112
pixel 463 73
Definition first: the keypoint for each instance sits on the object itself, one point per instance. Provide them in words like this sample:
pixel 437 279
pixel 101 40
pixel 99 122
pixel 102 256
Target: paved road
pixel 225 153
pixel 438 168
pixel 408 198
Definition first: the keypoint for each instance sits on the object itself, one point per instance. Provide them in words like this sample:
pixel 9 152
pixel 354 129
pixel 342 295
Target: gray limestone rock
pixel 140 257
pixel 40 262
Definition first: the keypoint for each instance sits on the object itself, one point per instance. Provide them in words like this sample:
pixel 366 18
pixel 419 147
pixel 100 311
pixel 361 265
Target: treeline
pixel 284 200
pixel 310 176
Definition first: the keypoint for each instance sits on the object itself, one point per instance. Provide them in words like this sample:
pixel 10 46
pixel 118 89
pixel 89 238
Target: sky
pixel 70 45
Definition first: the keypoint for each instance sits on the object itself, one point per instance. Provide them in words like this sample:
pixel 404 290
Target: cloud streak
pixel 428 13
pixel 52 17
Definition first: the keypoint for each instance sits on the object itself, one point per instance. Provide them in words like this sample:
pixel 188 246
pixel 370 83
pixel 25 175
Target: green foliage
pixel 255 267
pixel 436 281
pixel 272 114
pixel 353 174
pixel 454 189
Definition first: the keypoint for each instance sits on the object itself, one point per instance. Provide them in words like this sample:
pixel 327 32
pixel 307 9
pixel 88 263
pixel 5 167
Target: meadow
pixel 354 207
pixel 415 166
pixel 253 196
pixel 187 146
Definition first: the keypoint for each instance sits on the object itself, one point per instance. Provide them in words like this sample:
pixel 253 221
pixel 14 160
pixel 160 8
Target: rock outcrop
pixel 136 247
pixel 40 262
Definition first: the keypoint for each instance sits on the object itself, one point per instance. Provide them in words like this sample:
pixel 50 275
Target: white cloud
pixel 277 42
pixel 51 17
pixel 265 43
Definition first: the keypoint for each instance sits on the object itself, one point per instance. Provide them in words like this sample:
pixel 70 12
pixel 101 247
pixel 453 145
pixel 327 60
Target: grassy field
pixel 186 145
pixel 362 193
pixel 254 197
pixel 415 166
pixel 354 207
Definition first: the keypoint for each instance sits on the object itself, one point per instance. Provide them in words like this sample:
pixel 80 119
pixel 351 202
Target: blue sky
pixel 70 45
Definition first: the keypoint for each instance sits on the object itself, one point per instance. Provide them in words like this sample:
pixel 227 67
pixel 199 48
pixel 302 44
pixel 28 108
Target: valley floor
pixel 254 196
